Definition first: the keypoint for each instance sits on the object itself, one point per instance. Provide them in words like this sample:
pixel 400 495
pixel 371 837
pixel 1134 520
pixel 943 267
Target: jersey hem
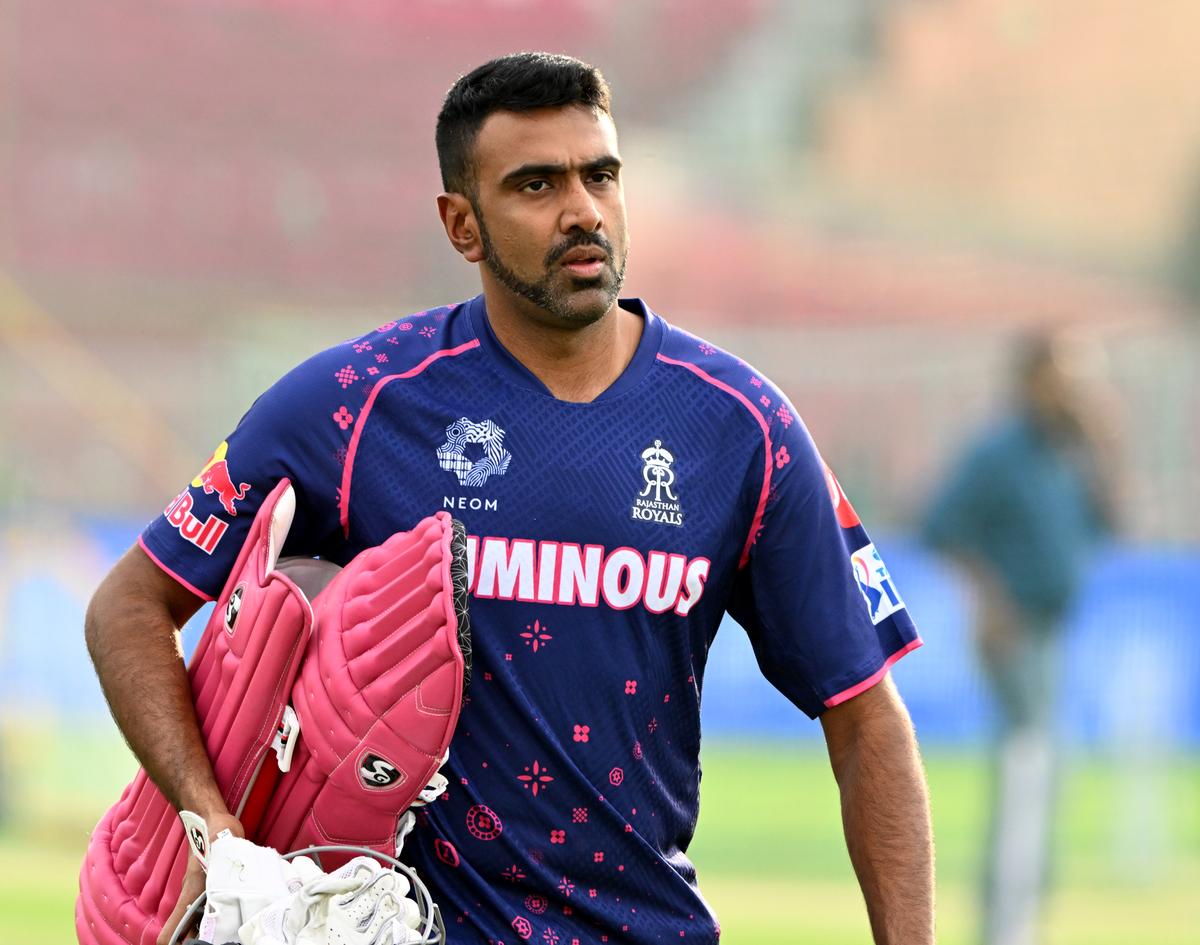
pixel 858 688
pixel 187 585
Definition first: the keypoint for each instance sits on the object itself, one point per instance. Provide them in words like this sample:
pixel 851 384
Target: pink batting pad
pixel 377 688
pixel 240 675
pixel 379 693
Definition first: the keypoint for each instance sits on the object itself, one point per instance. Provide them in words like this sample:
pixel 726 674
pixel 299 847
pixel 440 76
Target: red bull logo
pixel 203 534
pixel 846 515
pixel 215 478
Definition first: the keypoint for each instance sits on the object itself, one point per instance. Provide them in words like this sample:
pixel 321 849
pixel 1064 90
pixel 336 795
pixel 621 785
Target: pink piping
pixel 187 584
pixel 766 486
pixel 348 472
pixel 871 680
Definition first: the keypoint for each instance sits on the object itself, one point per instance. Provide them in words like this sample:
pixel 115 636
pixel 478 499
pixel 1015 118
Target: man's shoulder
pixel 396 347
pixel 720 369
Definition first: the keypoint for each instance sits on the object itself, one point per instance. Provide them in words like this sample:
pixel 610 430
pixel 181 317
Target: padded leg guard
pixel 241 676
pixel 385 661
pixel 378 694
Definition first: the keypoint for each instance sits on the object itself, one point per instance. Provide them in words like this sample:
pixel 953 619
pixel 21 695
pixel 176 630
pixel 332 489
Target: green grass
pixel 773 863
pixel 769 848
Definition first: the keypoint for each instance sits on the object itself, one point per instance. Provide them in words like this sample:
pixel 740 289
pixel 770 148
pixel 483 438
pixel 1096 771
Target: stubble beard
pixel 561 302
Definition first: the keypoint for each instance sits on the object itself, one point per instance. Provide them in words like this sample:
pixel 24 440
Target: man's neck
pixel 575 364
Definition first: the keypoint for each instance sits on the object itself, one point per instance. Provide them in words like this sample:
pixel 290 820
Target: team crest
pixel 658 502
pixel 474 452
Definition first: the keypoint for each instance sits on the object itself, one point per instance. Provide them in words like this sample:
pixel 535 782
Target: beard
pixel 563 300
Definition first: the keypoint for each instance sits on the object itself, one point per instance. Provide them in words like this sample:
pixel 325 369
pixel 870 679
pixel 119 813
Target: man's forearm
pixel 885 814
pixel 132 638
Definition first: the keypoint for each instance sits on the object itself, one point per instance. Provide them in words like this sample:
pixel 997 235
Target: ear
pixel 462 229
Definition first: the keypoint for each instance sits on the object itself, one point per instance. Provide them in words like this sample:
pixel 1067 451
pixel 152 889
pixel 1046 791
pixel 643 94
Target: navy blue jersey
pixel 607 540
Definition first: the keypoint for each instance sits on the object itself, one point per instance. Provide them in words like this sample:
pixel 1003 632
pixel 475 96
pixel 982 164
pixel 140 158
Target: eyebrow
pixel 602 163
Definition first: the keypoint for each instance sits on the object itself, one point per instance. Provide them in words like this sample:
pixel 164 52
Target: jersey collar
pixel 516 372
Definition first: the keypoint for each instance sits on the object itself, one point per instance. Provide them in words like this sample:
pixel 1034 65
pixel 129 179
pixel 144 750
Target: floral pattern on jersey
pixel 483 824
pixel 535 637
pixel 366 348
pixel 536 778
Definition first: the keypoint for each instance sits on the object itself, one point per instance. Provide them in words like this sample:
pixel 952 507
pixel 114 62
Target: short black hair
pixel 518 82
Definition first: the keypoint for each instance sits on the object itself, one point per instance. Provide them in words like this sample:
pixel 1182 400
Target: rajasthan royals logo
pixel 658 473
pixel 657 502
pixel 492 457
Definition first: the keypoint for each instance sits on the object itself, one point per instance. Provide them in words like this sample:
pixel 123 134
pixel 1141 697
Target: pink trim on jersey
pixel 766 486
pixel 847 694
pixel 186 584
pixel 348 472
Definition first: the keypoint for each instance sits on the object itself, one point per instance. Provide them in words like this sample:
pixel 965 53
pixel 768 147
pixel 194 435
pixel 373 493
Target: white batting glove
pixel 362 903
pixel 243 879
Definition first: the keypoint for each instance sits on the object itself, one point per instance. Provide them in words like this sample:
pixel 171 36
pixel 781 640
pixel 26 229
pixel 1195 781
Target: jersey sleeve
pixel 823 614
pixel 298 429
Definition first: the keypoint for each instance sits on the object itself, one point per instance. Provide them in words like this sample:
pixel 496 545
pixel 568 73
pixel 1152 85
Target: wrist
pixel 205 801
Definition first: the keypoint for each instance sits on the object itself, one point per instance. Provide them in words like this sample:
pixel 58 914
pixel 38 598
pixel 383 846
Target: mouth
pixel 584 262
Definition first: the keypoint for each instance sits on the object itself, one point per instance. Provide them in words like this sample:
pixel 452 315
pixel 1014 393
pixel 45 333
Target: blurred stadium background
pixel 868 199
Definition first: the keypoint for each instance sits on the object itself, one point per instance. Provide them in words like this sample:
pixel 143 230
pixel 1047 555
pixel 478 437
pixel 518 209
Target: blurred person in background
pixel 1021 512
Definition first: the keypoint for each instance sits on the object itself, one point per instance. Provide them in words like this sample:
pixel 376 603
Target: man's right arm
pixel 132 631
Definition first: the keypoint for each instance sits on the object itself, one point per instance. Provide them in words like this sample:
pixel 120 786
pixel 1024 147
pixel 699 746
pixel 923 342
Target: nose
pixel 580 210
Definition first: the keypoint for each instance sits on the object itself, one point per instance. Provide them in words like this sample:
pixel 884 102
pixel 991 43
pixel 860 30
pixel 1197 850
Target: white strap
pixel 195 828
pixel 286 737
pixel 437 784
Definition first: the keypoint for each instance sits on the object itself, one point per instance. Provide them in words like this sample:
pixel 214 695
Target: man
pixel 1021 512
pixel 624 484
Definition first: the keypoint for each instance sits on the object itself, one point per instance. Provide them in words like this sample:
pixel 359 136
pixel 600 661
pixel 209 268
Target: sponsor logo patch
pixel 474 452
pixel 204 535
pixel 462 503
pixel 215 478
pixel 568 574
pixel 846 515
pixel 233 608
pixel 376 772
pixel 875 583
